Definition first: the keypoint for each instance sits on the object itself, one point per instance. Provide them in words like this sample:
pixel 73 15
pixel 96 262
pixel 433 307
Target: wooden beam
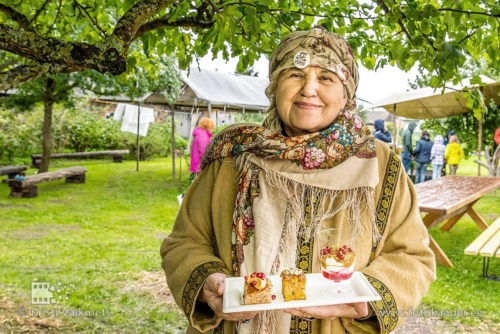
pixel 46 177
pixel 83 154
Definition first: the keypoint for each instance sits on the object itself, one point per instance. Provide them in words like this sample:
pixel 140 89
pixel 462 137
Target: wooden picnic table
pixel 449 198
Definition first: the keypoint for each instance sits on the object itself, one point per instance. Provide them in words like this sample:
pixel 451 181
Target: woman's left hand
pixel 353 310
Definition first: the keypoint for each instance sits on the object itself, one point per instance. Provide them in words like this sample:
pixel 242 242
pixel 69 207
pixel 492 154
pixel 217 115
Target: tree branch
pixel 39 10
pixel 25 73
pixel 129 24
pixel 95 26
pixel 163 22
pixel 60 94
pixel 17 17
pixel 400 22
pixel 102 57
pixel 468 12
pixel 8 63
pixel 55 18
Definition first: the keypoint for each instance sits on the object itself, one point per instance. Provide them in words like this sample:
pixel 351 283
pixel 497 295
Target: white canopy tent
pixel 430 103
pixel 213 89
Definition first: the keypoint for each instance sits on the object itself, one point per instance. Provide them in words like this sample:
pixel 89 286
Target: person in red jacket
pixel 496 138
pixel 201 138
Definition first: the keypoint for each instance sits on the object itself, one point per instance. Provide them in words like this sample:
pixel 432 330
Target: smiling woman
pixel 309 99
pixel 265 192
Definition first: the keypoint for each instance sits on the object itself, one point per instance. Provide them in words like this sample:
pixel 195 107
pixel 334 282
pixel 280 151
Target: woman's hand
pixel 353 310
pixel 212 292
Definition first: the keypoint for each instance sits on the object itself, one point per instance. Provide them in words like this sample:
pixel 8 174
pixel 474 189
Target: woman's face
pixel 309 99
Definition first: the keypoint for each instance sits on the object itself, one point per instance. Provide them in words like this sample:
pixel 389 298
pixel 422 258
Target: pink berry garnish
pixel 273 297
pixel 254 283
pixel 252 275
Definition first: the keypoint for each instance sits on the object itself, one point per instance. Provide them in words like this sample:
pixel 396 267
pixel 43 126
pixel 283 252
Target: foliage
pixel 466 127
pixel 156 144
pixel 137 82
pixel 257 118
pixel 54 36
pixel 85 130
pixel 17 138
pixel 78 129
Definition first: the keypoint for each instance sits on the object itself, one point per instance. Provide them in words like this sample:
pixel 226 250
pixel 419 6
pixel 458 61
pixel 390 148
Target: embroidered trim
pixel 385 309
pixel 305 251
pixel 195 282
pixel 386 197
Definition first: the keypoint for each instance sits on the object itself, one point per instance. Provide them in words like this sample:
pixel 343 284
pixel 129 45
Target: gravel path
pixel 425 325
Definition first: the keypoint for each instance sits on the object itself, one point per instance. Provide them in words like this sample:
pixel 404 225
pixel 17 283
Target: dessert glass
pixel 337 259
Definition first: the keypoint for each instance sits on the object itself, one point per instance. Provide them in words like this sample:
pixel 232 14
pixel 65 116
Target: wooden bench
pixel 117 156
pixel 487 244
pixel 27 188
pixel 12 171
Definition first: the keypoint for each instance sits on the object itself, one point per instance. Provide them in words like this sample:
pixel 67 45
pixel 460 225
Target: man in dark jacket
pixel 422 155
pixel 407 151
pixel 381 132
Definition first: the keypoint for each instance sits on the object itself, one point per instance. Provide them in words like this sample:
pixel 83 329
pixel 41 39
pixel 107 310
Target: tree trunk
pixel 47 125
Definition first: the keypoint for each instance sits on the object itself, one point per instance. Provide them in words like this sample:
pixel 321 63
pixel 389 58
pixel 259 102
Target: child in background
pixel 437 157
pixel 453 154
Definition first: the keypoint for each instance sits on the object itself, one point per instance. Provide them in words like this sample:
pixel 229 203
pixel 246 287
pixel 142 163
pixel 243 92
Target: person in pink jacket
pixel 201 138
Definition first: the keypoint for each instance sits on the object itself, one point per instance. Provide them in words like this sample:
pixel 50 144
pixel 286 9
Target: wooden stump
pixel 76 179
pixel 24 192
pixel 117 158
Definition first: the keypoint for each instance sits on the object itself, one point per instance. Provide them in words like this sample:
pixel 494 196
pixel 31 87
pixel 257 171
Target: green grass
pixel 103 236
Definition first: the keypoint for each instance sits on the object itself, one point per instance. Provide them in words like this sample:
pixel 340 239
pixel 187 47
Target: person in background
pixel 447 138
pixel 266 191
pixel 422 154
pixel 381 132
pixel 453 154
pixel 437 157
pixel 407 150
pixel 496 137
pixel 201 138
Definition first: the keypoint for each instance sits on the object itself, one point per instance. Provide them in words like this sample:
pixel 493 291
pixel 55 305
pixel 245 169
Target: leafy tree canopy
pixel 61 36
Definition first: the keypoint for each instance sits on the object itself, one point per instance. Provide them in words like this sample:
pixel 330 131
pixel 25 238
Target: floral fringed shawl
pixel 299 169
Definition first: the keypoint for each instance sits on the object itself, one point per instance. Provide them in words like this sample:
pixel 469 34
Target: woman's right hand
pixel 212 293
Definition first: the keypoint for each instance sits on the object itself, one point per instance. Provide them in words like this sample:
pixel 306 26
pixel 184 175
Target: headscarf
pixel 319 48
pixel 301 170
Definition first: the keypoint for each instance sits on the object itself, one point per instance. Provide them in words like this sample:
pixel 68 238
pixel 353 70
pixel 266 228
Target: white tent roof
pixel 218 88
pixel 429 103
pixel 205 87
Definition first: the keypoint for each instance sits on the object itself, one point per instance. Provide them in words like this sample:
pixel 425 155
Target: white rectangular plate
pixel 315 283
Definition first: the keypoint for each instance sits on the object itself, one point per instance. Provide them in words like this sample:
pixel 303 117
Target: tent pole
pixel 394 133
pixel 479 146
pixel 137 139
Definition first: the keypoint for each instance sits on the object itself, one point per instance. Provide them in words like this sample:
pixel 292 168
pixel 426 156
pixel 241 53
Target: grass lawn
pixel 103 237
pixel 100 241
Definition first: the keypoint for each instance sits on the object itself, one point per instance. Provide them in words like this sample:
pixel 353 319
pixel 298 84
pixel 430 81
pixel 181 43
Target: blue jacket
pixel 380 132
pixel 423 149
